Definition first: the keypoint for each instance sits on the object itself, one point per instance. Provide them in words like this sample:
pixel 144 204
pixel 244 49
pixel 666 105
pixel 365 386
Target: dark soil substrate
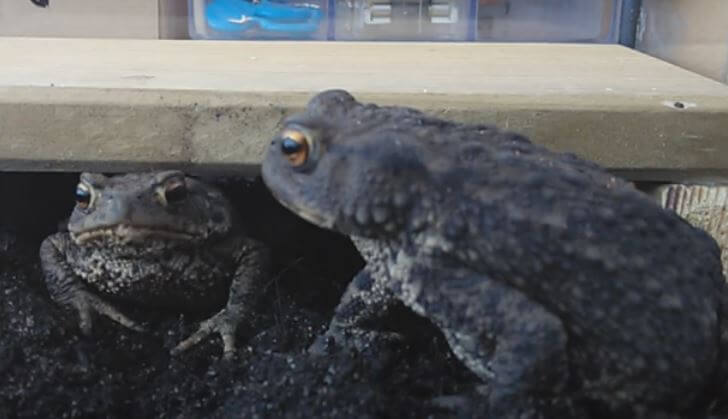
pixel 47 369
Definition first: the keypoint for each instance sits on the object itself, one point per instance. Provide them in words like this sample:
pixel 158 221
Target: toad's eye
pixel 83 195
pixel 175 191
pixel 296 146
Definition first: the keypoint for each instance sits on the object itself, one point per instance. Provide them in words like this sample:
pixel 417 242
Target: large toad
pixel 158 239
pixel 551 279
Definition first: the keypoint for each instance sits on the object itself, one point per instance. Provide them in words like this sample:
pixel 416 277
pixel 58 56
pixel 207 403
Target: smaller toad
pixel 161 240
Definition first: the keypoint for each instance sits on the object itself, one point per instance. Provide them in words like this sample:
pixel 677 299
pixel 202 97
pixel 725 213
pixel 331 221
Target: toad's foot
pixel 224 323
pixel 86 303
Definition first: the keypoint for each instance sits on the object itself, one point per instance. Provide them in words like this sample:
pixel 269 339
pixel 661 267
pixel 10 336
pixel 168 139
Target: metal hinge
pixel 379 12
pixel 443 11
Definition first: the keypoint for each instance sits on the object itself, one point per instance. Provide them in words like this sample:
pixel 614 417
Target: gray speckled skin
pixel 550 278
pixel 132 244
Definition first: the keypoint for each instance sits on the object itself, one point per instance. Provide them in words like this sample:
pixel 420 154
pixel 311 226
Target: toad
pixel 159 239
pixel 551 279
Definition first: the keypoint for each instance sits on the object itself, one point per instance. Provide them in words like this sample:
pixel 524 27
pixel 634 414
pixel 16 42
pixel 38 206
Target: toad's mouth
pixel 310 216
pixel 128 233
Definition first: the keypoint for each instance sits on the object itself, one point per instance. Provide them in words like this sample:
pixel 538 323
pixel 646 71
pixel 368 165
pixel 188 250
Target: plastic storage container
pixel 422 20
pixel 259 19
pixel 595 21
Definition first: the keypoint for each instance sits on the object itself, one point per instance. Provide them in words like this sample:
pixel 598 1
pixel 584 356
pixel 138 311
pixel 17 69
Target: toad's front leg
pixel 252 269
pixel 365 301
pixel 67 290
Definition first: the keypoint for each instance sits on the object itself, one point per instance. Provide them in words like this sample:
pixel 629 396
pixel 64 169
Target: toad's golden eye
pixel 296 146
pixel 83 195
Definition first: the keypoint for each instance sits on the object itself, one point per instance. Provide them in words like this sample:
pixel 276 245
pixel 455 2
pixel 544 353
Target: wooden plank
pixel 449 68
pixel 68 104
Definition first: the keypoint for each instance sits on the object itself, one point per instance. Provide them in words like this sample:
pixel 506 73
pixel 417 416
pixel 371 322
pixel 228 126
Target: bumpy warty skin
pixel 550 277
pixel 133 242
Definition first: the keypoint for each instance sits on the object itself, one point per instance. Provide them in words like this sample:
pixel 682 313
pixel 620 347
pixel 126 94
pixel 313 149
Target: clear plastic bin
pixel 401 20
pixel 259 19
pixel 595 21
